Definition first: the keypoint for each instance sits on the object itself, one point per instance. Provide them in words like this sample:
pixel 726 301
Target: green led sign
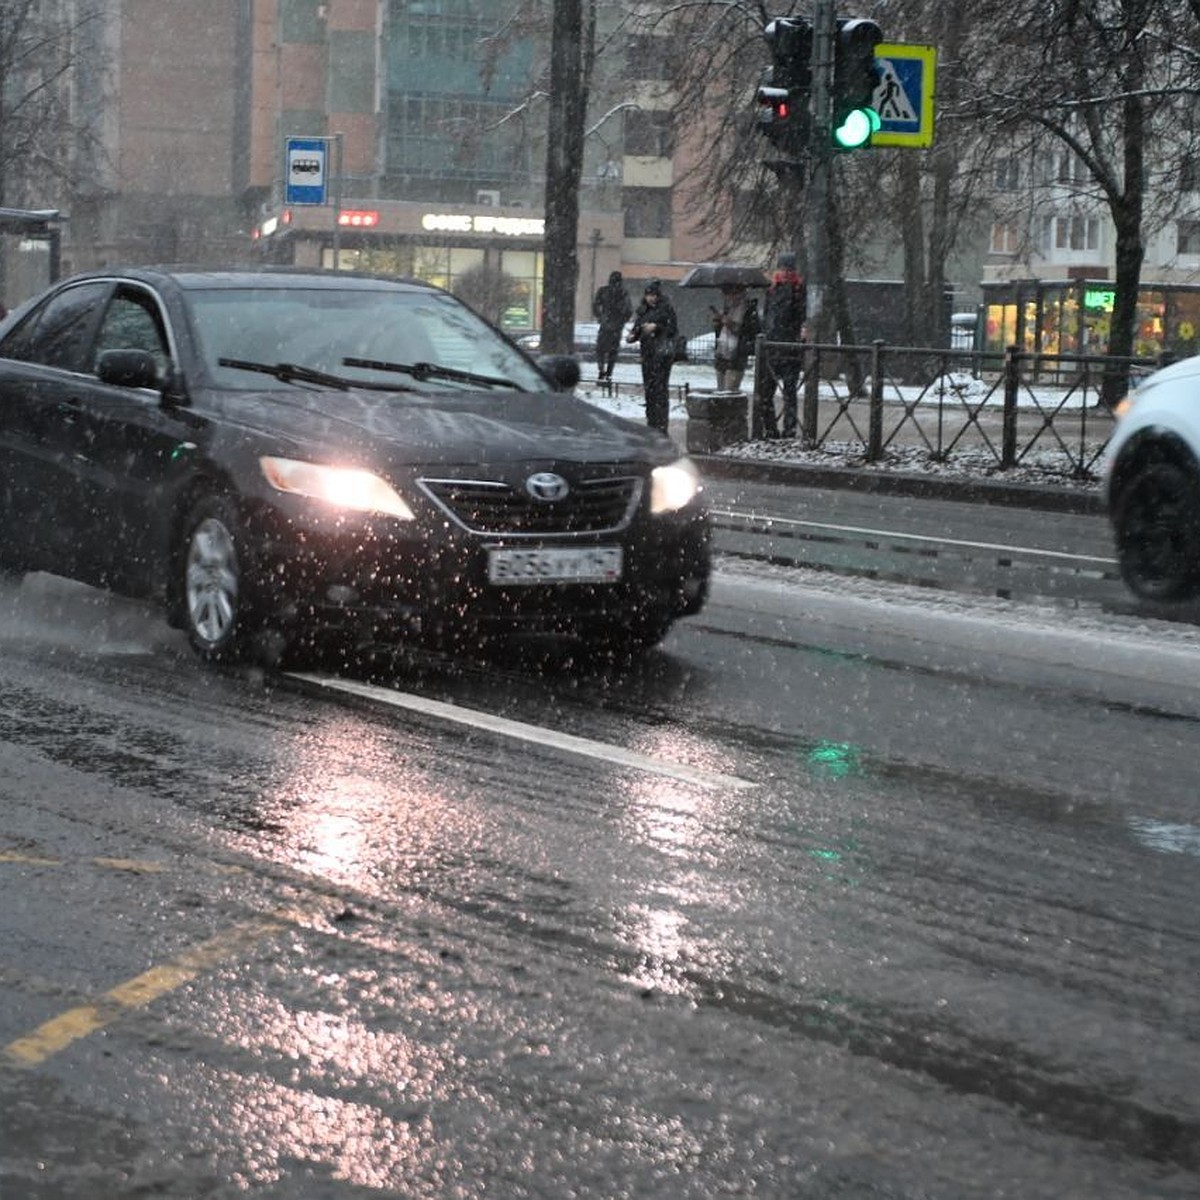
pixel 1097 298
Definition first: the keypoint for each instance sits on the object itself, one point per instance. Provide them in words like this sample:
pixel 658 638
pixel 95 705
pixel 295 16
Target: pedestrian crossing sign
pixel 904 94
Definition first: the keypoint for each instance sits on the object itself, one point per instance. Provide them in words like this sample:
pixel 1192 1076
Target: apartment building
pixel 1048 275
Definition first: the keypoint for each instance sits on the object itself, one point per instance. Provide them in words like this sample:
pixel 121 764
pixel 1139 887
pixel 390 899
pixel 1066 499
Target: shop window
pixel 432 265
pixel 647 212
pixel 1183 330
pixel 524 266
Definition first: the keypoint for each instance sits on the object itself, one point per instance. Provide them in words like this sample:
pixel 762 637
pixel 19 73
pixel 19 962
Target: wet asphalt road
pixel 832 897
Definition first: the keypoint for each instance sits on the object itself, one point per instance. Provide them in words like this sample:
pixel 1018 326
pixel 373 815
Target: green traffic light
pixel 856 128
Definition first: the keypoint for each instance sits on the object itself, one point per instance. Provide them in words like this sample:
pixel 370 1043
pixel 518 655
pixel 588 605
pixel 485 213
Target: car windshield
pixel 319 329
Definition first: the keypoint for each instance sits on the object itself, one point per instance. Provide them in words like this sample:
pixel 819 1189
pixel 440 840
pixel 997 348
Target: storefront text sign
pixel 462 223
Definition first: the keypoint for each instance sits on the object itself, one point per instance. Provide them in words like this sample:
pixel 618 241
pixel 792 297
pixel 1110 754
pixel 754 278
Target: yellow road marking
pixel 29 860
pixel 59 1032
pixel 136 866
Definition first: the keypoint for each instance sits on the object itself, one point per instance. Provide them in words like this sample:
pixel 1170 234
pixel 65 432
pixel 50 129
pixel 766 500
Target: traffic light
pixel 855 77
pixel 783 95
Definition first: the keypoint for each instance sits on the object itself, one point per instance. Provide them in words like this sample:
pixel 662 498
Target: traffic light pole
pixel 820 159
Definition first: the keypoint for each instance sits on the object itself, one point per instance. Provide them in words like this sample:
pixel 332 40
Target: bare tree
pixel 488 290
pixel 1102 85
pixel 48 52
pixel 571 58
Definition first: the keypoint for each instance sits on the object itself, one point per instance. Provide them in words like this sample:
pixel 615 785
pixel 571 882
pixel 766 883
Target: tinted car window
pixel 59 333
pixel 132 322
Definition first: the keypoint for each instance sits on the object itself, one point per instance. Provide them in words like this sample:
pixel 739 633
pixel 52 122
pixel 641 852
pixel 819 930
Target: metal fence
pixel 1010 409
pixel 1014 408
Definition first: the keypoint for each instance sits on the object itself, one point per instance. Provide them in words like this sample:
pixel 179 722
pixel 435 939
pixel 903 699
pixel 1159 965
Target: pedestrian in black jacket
pixel 655 327
pixel 783 321
pixel 612 308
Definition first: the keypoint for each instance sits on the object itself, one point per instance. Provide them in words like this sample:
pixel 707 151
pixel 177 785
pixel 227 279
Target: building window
pixel 452 136
pixel 1077 233
pixel 1004 238
pixel 1069 168
pixel 1188 237
pixel 648 57
pixel 1008 175
pixel 649 132
pixel 1189 175
pixel 647 212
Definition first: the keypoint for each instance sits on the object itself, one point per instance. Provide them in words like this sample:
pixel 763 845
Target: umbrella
pixel 724 274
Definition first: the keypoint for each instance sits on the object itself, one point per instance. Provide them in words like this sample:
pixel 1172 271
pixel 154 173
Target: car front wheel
pixel 214 602
pixel 1157 525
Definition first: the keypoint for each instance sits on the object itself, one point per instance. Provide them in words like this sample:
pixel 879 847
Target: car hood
pixel 446 428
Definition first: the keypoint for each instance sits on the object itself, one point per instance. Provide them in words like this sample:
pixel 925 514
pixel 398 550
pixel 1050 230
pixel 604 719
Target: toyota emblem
pixel 547 486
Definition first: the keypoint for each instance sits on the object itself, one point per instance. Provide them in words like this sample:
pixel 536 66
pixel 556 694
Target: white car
pixel 1152 484
pixel 584 339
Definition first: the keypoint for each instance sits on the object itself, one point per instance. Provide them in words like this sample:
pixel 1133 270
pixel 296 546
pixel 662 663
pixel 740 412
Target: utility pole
pixel 820 160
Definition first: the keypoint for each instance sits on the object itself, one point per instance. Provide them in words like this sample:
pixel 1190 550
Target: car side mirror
pixel 562 370
pixel 128 368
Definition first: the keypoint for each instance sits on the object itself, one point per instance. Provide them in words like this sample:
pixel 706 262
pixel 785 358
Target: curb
pixel 900 483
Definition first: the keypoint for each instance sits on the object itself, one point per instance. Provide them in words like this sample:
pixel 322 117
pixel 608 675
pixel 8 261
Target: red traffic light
pixel 772 104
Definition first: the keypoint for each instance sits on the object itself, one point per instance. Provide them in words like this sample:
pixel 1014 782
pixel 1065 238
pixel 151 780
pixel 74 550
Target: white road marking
pixel 893 535
pixel 528 733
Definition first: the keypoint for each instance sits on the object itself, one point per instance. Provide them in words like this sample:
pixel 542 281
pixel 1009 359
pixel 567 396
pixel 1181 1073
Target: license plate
pixel 594 564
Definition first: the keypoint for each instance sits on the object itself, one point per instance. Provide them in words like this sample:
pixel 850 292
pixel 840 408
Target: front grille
pixel 493 507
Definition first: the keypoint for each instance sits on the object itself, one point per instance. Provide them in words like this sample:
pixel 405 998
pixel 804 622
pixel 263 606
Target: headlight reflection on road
pixel 268 1127
pixel 685 826
pixel 358 808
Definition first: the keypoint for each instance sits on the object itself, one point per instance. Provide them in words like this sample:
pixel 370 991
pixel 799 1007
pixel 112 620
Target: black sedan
pixel 317 461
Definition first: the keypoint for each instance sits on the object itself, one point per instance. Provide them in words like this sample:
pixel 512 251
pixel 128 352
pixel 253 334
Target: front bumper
pixel 376 582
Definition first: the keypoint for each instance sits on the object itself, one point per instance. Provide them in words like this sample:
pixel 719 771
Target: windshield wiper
pixel 287 372
pixel 421 371
pixel 295 373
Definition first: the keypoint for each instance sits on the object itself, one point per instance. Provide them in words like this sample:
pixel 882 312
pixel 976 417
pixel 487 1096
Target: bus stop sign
pixel 305 172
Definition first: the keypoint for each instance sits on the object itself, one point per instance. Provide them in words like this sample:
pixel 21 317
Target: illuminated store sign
pixel 358 218
pixel 460 223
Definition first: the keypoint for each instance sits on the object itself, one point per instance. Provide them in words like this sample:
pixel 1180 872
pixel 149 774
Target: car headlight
pixel 673 486
pixel 341 487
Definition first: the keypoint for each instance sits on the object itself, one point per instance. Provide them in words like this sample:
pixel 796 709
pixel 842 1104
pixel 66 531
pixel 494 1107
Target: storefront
pixel 1074 316
pixel 493 257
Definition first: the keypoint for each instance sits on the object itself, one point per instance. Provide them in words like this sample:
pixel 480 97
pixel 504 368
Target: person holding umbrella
pixel 736 325
pixel 654 329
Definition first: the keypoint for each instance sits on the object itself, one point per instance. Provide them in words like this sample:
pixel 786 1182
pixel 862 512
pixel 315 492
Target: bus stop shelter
pixel 32 246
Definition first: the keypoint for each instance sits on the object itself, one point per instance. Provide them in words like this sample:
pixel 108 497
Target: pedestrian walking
pixel 612 308
pixel 783 321
pixel 736 324
pixel 655 327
